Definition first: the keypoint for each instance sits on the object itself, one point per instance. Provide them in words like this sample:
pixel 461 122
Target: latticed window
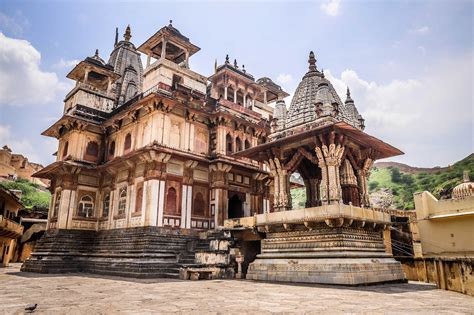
pixel 57 202
pixel 122 201
pixel 92 149
pixel 106 209
pixel 86 207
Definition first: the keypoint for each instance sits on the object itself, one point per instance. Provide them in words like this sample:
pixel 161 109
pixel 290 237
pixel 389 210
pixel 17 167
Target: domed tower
pixel 465 189
pixel 315 97
pixel 125 59
pixel 279 113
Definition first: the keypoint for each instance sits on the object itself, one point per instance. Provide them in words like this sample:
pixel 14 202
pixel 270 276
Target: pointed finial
pixel 96 53
pixel 322 72
pixel 171 23
pixel 243 69
pixel 312 62
pixel 465 176
pixel 116 36
pixel 235 63
pixel 215 66
pixel 348 96
pixel 128 33
pixel 227 59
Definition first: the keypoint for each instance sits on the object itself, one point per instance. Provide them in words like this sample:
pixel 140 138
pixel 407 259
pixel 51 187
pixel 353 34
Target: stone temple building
pixel 151 156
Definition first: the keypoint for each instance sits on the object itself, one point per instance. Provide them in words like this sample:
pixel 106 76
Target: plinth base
pixel 343 271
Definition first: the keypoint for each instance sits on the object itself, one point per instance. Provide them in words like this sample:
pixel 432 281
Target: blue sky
pixel 409 63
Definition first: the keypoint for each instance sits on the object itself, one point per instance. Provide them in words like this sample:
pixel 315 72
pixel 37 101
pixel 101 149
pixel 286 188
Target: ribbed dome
pixel 465 189
pixel 315 97
pixel 126 61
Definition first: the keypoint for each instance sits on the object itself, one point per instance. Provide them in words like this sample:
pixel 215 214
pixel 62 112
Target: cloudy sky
pixel 409 64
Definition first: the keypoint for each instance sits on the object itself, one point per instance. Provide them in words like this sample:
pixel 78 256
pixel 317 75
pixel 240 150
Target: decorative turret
pixel 351 111
pixel 126 62
pixel 465 189
pixel 279 114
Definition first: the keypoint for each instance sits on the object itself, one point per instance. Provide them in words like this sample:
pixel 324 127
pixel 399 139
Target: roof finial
pixel 465 176
pixel 215 66
pixel 235 63
pixel 227 59
pixel 96 52
pixel 348 95
pixel 243 69
pixel 312 62
pixel 128 33
pixel 171 23
pixel 116 36
pixel 322 72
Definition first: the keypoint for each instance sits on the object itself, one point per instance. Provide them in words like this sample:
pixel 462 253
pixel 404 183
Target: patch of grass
pixel 32 194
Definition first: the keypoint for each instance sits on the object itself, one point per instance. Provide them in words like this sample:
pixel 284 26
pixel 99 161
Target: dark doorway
pixel 235 206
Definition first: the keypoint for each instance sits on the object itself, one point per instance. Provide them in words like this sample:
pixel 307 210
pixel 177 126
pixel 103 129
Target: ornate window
pixel 106 206
pixel 122 201
pixel 128 143
pixel 92 149
pixel 139 198
pixel 171 201
pixel 229 144
pixel 199 206
pixel 238 144
pixel 86 207
pixel 112 149
pixel 57 202
pixel 65 149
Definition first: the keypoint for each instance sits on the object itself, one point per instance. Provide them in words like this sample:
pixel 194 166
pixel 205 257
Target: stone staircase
pixel 148 252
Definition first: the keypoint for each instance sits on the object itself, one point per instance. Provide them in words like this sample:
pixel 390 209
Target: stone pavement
pixel 91 294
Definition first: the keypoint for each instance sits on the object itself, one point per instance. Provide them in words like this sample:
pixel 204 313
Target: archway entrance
pixel 235 205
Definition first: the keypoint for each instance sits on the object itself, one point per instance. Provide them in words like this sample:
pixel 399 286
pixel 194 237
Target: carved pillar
pixel 219 198
pixel 362 176
pixel 329 160
pixel 187 193
pixel 155 181
pixel 281 179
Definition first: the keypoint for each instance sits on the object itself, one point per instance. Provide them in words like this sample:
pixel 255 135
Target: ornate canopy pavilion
pixel 337 238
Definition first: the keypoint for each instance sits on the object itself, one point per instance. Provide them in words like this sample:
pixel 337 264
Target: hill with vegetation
pixel 403 181
pixel 33 195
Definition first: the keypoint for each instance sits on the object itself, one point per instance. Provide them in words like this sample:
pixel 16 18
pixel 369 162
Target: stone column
pixel 281 181
pixel 235 95
pixel 329 160
pixel 225 92
pixel 155 176
pixel 163 49
pixel 362 175
pixel 218 182
pixel 148 59
pixel 187 193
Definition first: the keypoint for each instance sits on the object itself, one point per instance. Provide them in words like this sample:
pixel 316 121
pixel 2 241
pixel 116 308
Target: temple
pixel 160 151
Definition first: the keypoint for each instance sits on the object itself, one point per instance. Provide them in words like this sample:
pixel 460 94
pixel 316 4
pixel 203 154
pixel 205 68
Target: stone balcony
pixel 9 228
pixel 333 215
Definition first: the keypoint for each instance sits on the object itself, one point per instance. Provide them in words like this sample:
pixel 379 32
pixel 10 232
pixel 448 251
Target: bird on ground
pixel 30 308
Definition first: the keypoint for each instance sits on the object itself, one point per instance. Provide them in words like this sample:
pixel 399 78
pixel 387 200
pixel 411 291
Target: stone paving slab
pixel 92 294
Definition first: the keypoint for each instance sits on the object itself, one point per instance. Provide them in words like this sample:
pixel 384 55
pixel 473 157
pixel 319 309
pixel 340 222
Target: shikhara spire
pixel 312 62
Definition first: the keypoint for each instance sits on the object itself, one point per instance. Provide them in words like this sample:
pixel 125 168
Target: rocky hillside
pixel 402 181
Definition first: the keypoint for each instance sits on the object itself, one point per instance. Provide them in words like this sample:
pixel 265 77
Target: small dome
pixel 97 58
pixel 465 189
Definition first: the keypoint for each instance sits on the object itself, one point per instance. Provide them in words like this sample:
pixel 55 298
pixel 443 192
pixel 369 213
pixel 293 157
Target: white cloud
pixel 331 8
pixel 15 24
pixel 63 63
pixel 22 82
pixel 284 78
pixel 423 30
pixel 429 118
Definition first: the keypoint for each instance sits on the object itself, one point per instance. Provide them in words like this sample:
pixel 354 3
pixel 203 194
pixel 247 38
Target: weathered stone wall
pixel 454 274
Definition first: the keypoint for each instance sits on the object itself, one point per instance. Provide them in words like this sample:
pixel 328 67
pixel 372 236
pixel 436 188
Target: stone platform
pixel 333 244
pixel 147 252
